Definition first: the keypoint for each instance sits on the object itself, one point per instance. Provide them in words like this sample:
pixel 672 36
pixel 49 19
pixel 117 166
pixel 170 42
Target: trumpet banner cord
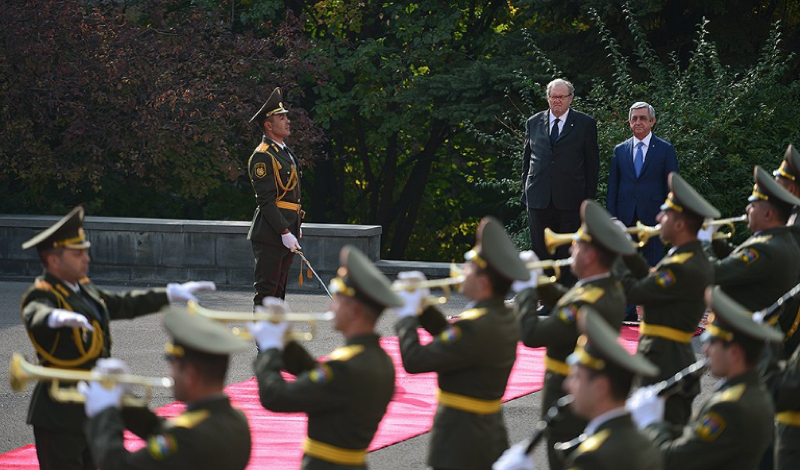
pixel 278 437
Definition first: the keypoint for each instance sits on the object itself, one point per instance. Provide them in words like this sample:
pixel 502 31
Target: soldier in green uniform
pixel 275 175
pixel 788 176
pixel 672 294
pixel 472 356
pixel 599 380
pixel 787 418
pixel 67 320
pixel 346 395
pixel 760 270
pixel 209 434
pixel 594 249
pixel 733 427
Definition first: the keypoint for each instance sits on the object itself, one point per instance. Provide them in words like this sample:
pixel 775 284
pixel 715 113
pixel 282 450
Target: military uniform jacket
pixel 210 434
pixel 473 358
pixel 672 297
pixel 786 389
pixel 789 318
pixel 760 270
pixel 276 179
pixel 73 348
pixel 616 445
pixel 345 396
pixel 731 430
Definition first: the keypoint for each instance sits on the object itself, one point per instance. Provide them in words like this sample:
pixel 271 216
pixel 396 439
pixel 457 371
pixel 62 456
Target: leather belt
pixel 288 205
pixel 333 454
pixel 465 403
pixel 555 366
pixel 791 418
pixel 666 332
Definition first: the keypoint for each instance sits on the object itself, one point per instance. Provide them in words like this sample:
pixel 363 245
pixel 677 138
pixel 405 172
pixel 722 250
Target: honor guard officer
pixel 764 267
pixel 733 427
pixel 209 434
pixel 472 357
pixel 599 380
pixel 672 295
pixel 788 176
pixel 346 395
pixel 595 247
pixel 67 319
pixel 275 175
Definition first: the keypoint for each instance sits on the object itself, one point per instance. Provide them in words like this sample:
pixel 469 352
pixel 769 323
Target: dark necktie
pixel 554 132
pixel 638 159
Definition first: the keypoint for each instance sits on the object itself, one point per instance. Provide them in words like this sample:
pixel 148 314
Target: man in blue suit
pixel 637 176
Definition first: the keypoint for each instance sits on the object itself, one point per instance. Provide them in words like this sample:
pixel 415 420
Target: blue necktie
pixel 638 159
pixel 554 133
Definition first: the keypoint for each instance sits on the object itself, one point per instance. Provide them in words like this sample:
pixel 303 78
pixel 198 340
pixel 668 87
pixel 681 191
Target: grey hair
pixel 560 81
pixel 640 105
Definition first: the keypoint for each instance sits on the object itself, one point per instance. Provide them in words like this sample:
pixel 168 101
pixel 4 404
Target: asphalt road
pixel 140 343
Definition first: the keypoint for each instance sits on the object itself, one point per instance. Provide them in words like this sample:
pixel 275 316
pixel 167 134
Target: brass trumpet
pixel 446 284
pixel 730 221
pixel 644 232
pixel 554 264
pixel 224 316
pixel 20 372
pixel 553 240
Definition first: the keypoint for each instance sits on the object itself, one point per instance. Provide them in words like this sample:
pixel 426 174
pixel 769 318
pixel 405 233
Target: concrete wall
pixel 157 251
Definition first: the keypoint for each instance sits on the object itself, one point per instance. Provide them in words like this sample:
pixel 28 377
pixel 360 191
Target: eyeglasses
pixel 558 97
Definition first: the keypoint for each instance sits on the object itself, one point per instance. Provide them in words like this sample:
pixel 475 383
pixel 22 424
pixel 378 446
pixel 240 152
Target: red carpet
pixel 277 437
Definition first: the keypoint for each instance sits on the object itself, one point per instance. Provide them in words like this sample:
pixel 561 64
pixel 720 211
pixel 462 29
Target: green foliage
pixel 721 121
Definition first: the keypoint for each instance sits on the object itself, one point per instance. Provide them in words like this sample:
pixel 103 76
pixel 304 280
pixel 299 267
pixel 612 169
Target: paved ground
pixel 140 343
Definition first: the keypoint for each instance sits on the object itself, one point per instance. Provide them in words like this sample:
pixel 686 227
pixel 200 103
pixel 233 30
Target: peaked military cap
pixel 790 166
pixel 767 189
pixel 728 317
pixel 273 105
pixel 358 277
pixel 67 232
pixel 598 227
pixel 495 248
pixel 597 347
pixel 684 198
pixel 199 333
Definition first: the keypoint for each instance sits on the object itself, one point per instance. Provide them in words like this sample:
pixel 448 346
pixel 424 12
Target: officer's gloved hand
pixel 185 291
pixel 515 458
pixel 98 397
pixel 528 257
pixel 645 407
pixel 290 241
pixel 269 335
pixel 412 299
pixel 706 232
pixel 60 318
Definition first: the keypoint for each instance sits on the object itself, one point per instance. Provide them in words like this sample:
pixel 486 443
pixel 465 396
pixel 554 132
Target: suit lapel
pixel 568 125
pixel 652 153
pixel 627 161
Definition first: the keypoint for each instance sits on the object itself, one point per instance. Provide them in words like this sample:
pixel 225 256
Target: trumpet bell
pixel 553 240
pixel 225 316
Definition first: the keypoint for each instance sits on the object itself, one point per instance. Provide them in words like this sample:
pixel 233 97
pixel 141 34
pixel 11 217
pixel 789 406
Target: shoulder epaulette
pixel 345 353
pixel 734 393
pixel 758 239
pixel 189 419
pixel 593 443
pixel 473 314
pixel 590 294
pixel 41 284
pixel 262 147
pixel 677 259
pixel 84 280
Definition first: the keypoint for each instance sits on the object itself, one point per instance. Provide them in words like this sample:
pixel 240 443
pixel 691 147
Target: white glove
pixel 290 241
pixel 274 306
pixel 707 232
pixel 186 290
pixel 645 407
pixel 60 318
pixel 111 365
pixel 412 299
pixel 528 257
pixel 98 398
pixel 758 317
pixel 515 458
pixel 268 335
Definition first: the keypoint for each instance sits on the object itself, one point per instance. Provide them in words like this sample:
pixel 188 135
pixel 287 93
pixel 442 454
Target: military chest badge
pixel 260 170
pixel 665 278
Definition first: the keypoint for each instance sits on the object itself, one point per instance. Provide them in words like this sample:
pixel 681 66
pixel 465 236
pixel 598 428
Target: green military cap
pixel 67 232
pixel 598 227
pixel 598 348
pixel 273 105
pixel 199 333
pixel 767 189
pixel 358 277
pixel 684 198
pixel 494 248
pixel 728 317
pixel 790 166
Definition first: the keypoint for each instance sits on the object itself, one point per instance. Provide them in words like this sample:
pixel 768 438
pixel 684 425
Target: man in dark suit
pixel 637 176
pixel 559 168
pixel 275 175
